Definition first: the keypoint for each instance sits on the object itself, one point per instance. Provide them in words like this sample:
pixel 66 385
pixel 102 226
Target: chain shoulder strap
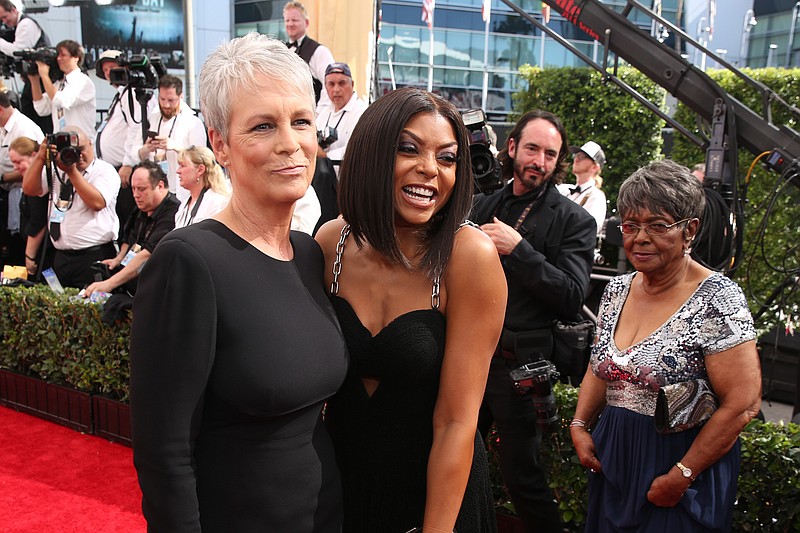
pixel 337 263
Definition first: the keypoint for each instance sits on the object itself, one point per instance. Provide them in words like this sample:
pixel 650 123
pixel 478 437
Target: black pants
pixel 520 439
pixel 73 267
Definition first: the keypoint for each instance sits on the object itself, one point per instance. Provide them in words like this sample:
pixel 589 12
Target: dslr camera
pixel 536 379
pixel 138 72
pixel 45 54
pixel 66 143
pixel 485 166
pixel 327 136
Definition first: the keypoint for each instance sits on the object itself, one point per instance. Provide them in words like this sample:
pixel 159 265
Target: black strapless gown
pixel 382 441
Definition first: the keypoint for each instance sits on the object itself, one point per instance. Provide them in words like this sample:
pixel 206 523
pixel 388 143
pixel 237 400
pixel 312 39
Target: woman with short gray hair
pixel 674 375
pixel 235 346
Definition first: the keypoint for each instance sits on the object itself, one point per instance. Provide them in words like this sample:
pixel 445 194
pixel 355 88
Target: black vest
pixel 306 49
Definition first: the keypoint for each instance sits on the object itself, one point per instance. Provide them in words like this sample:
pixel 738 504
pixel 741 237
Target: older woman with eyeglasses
pixel 672 325
pixel 199 173
pixel 235 346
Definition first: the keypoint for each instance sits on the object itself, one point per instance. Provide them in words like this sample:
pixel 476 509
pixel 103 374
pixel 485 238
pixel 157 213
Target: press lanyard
pixel 194 210
pixel 336 127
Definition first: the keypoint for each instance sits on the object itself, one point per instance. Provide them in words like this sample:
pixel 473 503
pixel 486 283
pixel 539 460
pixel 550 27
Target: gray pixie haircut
pixel 662 187
pixel 235 65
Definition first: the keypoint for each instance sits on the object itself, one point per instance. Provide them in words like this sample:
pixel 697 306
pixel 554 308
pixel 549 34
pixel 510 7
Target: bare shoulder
pixel 471 245
pixel 328 234
pixel 474 256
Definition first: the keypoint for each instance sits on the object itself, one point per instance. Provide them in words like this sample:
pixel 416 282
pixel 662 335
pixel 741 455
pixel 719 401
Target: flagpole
pixel 430 57
pixel 485 93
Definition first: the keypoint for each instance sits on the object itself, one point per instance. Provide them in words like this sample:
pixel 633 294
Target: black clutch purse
pixel 684 405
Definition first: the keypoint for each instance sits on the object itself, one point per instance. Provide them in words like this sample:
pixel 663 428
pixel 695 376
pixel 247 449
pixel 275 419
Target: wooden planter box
pixel 112 419
pixel 56 403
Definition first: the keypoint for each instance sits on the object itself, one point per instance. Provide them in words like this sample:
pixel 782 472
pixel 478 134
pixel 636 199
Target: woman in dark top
pixel 235 346
pixel 421 304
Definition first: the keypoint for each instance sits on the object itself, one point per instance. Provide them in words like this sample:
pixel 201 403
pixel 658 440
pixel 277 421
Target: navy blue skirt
pixel 632 455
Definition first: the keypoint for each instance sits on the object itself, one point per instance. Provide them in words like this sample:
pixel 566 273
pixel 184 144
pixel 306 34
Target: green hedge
pixel 61 339
pixel 768 496
pixel 592 110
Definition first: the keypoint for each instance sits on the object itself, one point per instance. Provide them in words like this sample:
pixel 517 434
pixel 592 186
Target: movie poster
pixel 147 27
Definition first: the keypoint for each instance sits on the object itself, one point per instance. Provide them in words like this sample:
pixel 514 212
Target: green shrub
pixel 768 497
pixel 61 339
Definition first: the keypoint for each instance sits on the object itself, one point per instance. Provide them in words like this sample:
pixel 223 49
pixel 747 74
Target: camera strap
pixel 336 127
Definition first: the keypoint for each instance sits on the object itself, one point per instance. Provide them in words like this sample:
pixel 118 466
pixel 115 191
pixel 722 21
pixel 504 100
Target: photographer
pixel 120 130
pixel 174 126
pixel 27 34
pixel 546 244
pixel 73 101
pixel 144 229
pixel 335 123
pixel 83 223
pixel 13 125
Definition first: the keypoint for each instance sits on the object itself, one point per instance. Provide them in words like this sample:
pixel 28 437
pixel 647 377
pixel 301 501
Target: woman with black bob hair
pixel 420 298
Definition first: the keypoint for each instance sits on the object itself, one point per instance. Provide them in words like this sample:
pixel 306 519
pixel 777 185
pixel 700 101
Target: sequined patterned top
pixel 713 319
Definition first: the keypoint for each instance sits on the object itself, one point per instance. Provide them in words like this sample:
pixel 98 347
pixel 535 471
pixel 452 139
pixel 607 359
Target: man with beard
pixel 546 244
pixel 174 126
pixel 83 221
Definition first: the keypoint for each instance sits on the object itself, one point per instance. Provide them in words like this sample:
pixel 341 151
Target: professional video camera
pixel 485 167
pixel 66 143
pixel 138 72
pixel 537 379
pixel 45 54
pixel 327 136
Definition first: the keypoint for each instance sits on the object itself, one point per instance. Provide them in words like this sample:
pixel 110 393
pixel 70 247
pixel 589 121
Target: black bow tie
pixel 293 44
pixel 574 190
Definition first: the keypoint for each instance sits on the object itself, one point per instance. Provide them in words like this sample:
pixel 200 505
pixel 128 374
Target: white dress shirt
pixel 183 130
pixel 17 125
pixel 84 227
pixel 320 59
pixel 73 105
pixel 343 120
pixel 590 198
pixel 26 35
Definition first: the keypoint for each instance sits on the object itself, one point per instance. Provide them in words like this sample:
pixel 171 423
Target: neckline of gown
pixel 392 323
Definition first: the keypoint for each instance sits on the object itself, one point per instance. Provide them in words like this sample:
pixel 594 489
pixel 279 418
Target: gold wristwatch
pixel 685 470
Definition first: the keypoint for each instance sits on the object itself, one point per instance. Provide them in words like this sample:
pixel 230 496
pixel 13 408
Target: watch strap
pixel 685 470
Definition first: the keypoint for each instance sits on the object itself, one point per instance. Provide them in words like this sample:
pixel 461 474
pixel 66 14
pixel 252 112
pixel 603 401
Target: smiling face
pixel 271 147
pixel 656 254
pixel 66 61
pixel 424 169
pixel 535 155
pixel 294 23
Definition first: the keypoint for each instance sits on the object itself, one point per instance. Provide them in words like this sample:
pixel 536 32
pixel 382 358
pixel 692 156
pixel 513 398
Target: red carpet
pixel 56 479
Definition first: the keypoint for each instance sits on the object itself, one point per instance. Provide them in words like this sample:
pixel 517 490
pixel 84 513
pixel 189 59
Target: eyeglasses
pixel 656 228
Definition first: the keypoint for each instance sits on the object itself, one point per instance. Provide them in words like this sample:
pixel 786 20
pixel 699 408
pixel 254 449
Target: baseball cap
pixel 593 150
pixel 338 68
pixel 108 55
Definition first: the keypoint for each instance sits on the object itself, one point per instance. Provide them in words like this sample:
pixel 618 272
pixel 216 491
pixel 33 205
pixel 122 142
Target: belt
pixel 91 249
pixel 504 354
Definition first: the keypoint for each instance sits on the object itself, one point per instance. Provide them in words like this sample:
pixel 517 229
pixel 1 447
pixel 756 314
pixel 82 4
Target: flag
pixel 427 12
pixel 545 12
pixel 486 10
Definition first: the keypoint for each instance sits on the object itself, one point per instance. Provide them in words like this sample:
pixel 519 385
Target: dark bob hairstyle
pixel 366 178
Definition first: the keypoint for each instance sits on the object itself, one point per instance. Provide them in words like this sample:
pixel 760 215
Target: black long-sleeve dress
pixel 233 354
